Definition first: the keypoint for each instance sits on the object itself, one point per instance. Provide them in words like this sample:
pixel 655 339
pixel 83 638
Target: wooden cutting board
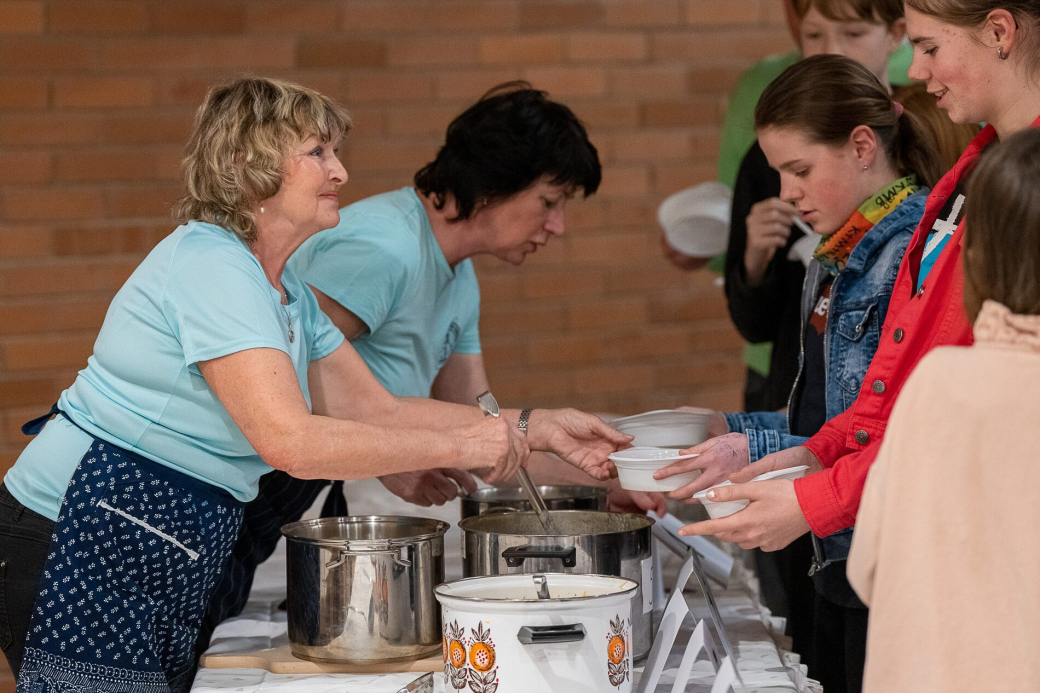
pixel 280 660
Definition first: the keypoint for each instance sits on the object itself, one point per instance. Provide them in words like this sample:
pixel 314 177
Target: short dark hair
pixel 513 136
pixel 1002 227
pixel 886 12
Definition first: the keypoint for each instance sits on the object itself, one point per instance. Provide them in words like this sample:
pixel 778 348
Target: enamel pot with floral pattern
pixel 543 632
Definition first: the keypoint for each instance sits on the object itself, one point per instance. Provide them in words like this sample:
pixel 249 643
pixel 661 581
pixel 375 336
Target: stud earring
pixel 865 167
pixel 261 209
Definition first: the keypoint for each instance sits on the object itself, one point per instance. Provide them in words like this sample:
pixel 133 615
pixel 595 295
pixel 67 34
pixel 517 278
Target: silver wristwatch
pixel 525 416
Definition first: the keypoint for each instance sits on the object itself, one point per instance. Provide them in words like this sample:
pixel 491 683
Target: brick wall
pixel 96 98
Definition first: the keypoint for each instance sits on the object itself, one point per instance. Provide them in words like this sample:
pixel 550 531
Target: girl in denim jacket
pixel 855 166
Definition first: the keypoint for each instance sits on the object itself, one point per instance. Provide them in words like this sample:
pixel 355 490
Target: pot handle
pixel 396 554
pixel 540 635
pixel 516 555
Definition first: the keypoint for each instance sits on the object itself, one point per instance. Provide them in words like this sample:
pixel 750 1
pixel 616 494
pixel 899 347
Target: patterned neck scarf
pixel 834 250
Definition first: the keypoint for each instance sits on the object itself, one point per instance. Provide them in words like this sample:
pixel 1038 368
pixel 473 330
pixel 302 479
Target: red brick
pixel 167 127
pixel 521 319
pixel 680 113
pixel 168 164
pixel 196 17
pixel 36 204
pixel 710 13
pixel 435 50
pixel 564 82
pixel 94 16
pixel 649 81
pixel 714 80
pixel 565 349
pixel 711 370
pixel 200 52
pixel 20 167
pixel 100 240
pixel 33 316
pixel 142 201
pixel 384 16
pixel 21 17
pixel 525 49
pixel 642 13
pixel 104 92
pixel 305 16
pixel 612 313
pixel 642 344
pixel 382 86
pixel 631 211
pixel 21 392
pixel 23 93
pixel 563 283
pixel 532 388
pixel 472 84
pixel 562 14
pixel 607 47
pixel 606 114
pixel 425 120
pixel 650 276
pixel 502 354
pixel 474 16
pixel 679 176
pixel 389 155
pixel 19 242
pixel 66 277
pixel 625 181
pixel 688 309
pixel 652 145
pixel 47 54
pixel 21 354
pixel 609 249
pixel 614 378
pixel 720 46
pixel 715 336
pixel 87 165
pixel 340 53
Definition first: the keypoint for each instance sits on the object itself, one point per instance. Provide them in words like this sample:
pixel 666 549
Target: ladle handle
pixel 537 502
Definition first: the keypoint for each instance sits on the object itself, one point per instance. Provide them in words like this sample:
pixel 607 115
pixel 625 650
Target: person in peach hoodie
pixel 945 552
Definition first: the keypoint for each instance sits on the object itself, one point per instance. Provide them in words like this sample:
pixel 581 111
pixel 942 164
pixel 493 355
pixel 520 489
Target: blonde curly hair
pixel 243 133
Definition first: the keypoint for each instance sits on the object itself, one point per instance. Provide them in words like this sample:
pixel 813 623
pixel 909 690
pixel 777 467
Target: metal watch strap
pixel 525 416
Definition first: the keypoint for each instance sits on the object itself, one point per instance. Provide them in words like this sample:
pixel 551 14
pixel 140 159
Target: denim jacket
pixel 859 302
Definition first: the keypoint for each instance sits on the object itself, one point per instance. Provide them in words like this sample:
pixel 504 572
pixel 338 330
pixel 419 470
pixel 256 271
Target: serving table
pixel 250 653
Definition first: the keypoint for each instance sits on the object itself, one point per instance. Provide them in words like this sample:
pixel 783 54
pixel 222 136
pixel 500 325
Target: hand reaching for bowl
pixel 717 459
pixel 771 521
pixel 582 440
pixel 768 228
pixel 717 425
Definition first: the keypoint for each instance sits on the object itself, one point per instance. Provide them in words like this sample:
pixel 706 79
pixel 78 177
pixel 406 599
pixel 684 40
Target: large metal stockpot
pixel 512 499
pixel 360 589
pixel 590 543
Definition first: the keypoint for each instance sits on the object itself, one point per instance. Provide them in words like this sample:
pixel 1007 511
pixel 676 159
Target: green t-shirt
pixel 738 134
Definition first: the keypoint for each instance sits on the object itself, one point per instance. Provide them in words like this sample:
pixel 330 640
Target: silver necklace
pixel 288 318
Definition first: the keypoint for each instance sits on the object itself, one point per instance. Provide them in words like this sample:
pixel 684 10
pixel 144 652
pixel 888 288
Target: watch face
pixel 487 404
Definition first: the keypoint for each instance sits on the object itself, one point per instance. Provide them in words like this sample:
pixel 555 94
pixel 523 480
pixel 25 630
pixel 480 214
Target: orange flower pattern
pixel 481 676
pixel 618 670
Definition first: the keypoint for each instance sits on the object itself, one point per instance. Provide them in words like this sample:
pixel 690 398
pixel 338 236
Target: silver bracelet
pixel 525 416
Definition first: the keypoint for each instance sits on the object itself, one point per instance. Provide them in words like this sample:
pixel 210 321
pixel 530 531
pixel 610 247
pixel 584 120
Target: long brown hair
pixel 952 138
pixel 828 96
pixel 1002 227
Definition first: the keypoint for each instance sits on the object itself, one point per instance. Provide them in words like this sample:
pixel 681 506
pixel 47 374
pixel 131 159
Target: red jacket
pixel 916 323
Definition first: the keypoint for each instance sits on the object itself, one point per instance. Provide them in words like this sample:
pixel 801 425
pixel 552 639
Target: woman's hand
pixel 581 439
pixel 493 443
pixel 681 260
pixel 430 487
pixel 768 228
pixel 771 521
pixel 717 459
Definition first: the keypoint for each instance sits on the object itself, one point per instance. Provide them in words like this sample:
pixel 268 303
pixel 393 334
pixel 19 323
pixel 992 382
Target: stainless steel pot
pixel 512 499
pixel 360 589
pixel 591 543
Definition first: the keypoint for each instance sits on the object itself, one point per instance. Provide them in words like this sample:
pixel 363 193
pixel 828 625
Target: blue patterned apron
pixel 136 552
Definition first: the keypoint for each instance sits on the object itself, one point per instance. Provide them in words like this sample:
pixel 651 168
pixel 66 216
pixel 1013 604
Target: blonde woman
pixel 214 364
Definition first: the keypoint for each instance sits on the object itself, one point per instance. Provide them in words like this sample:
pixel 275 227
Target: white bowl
pixel 665 428
pixel 636 467
pixel 696 220
pixel 724 509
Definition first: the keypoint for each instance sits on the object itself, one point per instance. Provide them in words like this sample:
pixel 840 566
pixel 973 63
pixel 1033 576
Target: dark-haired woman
pixel 395 276
pixel 856 167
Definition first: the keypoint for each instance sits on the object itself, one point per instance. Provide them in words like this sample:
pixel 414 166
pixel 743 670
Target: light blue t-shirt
pixel 200 294
pixel 383 264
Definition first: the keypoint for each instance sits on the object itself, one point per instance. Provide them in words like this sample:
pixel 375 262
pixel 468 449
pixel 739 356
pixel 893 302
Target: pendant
pixel 292 336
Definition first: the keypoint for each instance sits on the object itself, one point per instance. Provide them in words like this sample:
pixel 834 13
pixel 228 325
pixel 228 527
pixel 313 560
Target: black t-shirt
pixel 809 408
